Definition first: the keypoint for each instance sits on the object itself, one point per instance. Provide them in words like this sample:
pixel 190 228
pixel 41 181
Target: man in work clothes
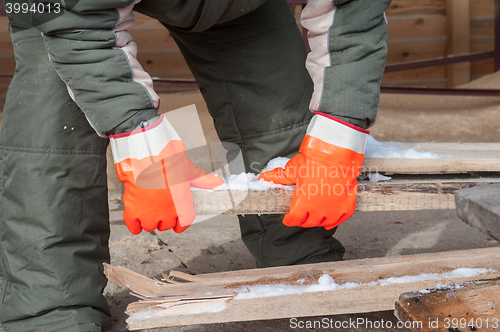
pixel 78 86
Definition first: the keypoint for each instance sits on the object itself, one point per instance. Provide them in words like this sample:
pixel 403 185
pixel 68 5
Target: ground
pixel 214 245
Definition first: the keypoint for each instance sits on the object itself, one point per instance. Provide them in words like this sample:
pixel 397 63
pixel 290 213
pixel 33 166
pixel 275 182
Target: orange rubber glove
pixel 324 172
pixel 157 174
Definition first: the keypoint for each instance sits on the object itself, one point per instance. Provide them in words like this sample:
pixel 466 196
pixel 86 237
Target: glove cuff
pixel 145 142
pixel 333 139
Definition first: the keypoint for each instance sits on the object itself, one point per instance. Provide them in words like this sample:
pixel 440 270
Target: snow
pixel 248 181
pixel 376 149
pixel 376 177
pixel 326 283
pixel 275 163
pixel 215 308
pixel 160 312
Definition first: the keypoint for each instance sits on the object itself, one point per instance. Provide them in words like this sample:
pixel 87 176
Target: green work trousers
pixel 54 225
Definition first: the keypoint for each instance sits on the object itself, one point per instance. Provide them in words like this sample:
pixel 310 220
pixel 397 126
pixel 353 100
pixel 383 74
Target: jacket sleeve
pixel 95 56
pixel 348 40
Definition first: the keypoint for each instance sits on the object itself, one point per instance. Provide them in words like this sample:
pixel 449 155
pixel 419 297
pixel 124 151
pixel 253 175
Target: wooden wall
pixel 418 29
pixel 423 29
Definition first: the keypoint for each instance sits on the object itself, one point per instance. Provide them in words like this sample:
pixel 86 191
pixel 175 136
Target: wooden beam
pixel 401 194
pixel 211 299
pixel 458 39
pixel 480 208
pixel 468 306
pixel 394 195
pixel 453 158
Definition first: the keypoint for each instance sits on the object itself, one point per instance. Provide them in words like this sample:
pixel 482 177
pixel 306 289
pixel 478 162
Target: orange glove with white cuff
pixel 157 174
pixel 324 172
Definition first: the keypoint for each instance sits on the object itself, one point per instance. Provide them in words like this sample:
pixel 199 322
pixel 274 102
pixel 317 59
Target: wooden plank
pixel 481 68
pixel 144 22
pixel 437 83
pixel 482 26
pixel 458 40
pixel 399 194
pixel 4 24
pixel 154 41
pixel 481 44
pixel 414 7
pixel 4 86
pixel 480 208
pixel 395 195
pixel 468 306
pixel 416 49
pixel 6 48
pixel 431 166
pixel 297 12
pixel 7 65
pixel 430 73
pixel 421 26
pixel 482 8
pixel 166 64
pixel 455 158
pixel 167 305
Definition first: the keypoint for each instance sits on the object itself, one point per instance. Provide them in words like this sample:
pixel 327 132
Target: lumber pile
pixel 480 208
pixel 466 306
pixel 376 283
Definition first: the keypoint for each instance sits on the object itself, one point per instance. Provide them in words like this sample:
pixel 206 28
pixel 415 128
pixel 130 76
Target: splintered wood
pixel 468 306
pixel 419 184
pixel 395 195
pixel 375 284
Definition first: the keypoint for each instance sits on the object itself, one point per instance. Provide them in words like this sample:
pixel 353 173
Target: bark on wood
pixel 469 306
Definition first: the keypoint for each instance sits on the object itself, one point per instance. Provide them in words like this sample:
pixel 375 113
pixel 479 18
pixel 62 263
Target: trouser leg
pixel 252 75
pixel 54 215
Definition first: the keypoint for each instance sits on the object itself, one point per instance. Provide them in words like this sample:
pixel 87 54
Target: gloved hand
pixel 324 172
pixel 157 174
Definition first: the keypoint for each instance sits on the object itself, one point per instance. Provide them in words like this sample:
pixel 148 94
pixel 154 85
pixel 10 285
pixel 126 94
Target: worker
pixel 78 86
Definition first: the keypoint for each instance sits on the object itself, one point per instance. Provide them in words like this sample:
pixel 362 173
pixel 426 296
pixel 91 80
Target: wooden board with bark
pixel 395 195
pixel 466 306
